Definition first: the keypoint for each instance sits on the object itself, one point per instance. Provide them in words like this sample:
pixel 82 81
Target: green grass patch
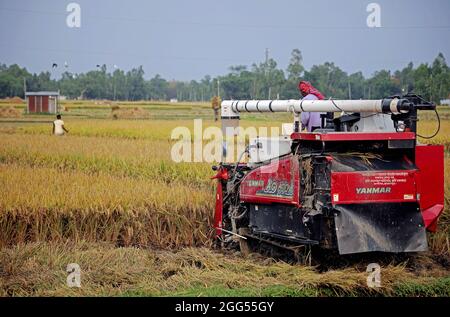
pixel 428 288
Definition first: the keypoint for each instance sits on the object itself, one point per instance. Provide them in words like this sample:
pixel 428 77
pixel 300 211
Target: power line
pixel 91 52
pixel 235 25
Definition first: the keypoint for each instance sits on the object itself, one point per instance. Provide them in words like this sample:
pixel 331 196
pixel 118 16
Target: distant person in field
pixel 58 126
pixel 310 120
pixel 215 102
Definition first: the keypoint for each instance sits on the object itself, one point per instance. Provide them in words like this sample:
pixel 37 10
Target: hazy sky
pixel 187 39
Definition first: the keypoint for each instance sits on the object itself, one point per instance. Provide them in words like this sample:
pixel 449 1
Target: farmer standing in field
pixel 58 126
pixel 215 102
pixel 310 120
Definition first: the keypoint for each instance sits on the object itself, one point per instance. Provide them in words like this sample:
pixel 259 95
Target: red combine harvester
pixel 359 183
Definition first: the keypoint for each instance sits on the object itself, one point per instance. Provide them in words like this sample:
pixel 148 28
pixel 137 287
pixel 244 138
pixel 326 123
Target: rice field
pixel 110 192
pixel 38 269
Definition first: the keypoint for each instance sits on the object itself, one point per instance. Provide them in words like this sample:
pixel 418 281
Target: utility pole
pixel 218 88
pixel 266 64
pixel 349 91
pixel 126 87
pixel 24 86
pixel 114 81
pixel 267 56
pixel 431 87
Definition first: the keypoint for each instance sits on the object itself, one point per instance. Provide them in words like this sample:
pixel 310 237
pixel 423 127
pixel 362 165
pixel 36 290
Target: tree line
pixel 264 80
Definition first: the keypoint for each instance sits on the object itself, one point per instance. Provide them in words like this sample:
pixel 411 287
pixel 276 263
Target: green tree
pixel 382 84
pixel 157 88
pixel 406 78
pixel 12 80
pixel 264 80
pixel 237 84
pixel 329 79
pixel 439 79
pixel 295 68
pixel 119 85
pixel 41 82
pixel 356 86
pixel 268 80
pixel 294 71
pixel 70 85
pixel 136 84
pixel 422 81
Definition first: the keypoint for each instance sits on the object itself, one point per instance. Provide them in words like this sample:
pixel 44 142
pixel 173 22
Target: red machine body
pixel 430 182
pixel 367 187
pixel 277 182
pixel 360 183
pixel 415 179
pixel 221 176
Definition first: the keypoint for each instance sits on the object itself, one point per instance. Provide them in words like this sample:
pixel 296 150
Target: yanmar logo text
pixel 373 190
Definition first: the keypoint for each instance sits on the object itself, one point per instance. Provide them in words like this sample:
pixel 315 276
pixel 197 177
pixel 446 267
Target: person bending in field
pixel 58 126
pixel 310 120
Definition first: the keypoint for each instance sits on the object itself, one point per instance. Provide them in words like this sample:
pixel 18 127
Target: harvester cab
pixel 359 183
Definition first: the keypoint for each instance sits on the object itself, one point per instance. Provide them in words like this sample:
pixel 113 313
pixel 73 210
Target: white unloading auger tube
pixel 232 108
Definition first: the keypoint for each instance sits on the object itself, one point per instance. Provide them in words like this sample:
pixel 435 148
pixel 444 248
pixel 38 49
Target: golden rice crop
pixel 38 269
pixel 114 180
pixel 116 183
pixel 147 159
pixel 137 129
pixel 130 129
pixel 44 204
pixel 129 113
pixel 10 112
pixel 427 128
pixel 112 183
